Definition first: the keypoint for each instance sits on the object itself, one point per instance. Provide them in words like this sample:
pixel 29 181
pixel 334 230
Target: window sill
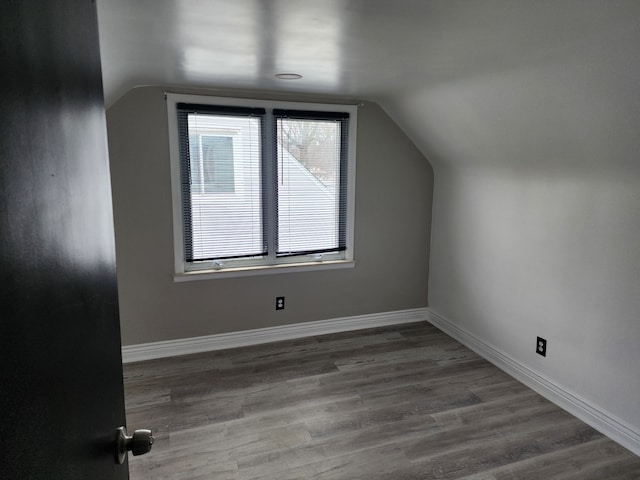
pixel 261 270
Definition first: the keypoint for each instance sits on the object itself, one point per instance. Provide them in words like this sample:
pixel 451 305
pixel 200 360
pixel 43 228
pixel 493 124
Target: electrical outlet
pixel 279 303
pixel 541 347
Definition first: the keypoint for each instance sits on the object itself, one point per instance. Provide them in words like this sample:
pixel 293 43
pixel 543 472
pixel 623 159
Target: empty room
pixel 321 239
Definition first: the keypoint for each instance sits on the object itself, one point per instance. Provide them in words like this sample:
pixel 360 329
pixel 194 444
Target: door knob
pixel 139 443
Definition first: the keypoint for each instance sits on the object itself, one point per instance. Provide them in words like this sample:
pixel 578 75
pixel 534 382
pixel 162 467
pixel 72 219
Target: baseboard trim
pixel 595 416
pixel 186 346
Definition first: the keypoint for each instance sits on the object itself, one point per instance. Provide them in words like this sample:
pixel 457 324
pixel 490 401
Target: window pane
pixel 309 182
pixel 226 199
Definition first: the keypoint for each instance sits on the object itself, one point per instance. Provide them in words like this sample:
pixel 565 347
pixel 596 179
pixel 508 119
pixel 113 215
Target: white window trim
pixel 306 263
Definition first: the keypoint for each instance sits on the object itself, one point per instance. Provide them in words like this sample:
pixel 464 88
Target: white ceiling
pixel 444 56
pixel 366 48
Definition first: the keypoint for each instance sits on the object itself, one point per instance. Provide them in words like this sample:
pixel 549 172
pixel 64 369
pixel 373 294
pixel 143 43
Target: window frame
pixel 182 272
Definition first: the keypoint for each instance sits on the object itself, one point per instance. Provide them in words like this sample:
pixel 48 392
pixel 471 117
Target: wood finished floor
pixel 394 403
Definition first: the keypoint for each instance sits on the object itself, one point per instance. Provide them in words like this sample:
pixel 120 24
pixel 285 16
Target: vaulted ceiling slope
pixel 470 81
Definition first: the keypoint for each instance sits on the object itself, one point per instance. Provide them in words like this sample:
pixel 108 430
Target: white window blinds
pixel 311 181
pixel 221 155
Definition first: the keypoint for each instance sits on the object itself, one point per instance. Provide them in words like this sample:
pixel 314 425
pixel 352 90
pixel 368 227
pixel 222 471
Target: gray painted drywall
pixel 536 219
pixel 392 233
pixel 520 254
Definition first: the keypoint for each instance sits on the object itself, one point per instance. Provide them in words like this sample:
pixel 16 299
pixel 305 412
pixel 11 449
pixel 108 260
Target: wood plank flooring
pixel 396 403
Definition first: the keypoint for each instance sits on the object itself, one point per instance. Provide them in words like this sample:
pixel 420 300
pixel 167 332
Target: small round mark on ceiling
pixel 288 76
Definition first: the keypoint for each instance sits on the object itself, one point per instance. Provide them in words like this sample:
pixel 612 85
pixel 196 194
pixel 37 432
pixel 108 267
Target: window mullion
pixel 270 187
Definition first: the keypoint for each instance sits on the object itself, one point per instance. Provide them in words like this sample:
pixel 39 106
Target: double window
pixel 261 185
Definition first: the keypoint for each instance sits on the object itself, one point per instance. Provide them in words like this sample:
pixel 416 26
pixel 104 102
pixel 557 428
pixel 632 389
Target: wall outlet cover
pixel 541 347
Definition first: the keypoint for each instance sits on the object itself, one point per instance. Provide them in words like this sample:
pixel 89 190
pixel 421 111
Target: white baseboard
pixel 186 346
pixel 595 416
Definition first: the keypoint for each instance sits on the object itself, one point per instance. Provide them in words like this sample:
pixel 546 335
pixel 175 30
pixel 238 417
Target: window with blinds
pixel 311 182
pixel 259 185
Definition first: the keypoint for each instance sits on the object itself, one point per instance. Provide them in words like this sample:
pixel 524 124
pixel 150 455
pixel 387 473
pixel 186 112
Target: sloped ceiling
pixel 468 80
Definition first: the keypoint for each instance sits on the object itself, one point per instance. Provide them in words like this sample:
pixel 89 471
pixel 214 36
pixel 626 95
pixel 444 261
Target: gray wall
pixel 536 220
pixel 392 234
pixel 517 254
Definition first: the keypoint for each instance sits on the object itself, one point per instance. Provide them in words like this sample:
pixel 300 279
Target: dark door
pixel 61 394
